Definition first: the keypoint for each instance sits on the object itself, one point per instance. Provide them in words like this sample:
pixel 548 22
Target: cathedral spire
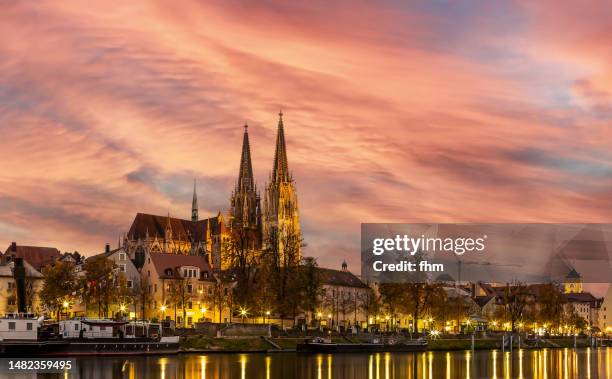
pixel 280 171
pixel 194 204
pixel 245 175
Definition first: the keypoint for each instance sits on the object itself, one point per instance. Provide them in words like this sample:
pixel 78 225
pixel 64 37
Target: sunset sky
pixel 435 112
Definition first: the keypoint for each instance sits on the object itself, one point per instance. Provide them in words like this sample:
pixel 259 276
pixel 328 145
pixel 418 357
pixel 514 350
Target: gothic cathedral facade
pixel 275 226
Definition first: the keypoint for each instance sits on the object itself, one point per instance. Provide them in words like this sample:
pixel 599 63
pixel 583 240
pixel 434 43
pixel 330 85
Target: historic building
pixel 281 218
pixel 277 227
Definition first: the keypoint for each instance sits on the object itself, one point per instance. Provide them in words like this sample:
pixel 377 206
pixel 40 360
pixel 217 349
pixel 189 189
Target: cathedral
pixel 276 226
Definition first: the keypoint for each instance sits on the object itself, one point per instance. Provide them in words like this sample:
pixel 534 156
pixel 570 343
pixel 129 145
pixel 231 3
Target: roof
pixel 6 270
pixel 106 253
pixel 483 300
pixel 445 278
pixel 582 297
pixel 37 256
pixel 155 226
pixel 163 262
pixel 340 278
pixel 573 274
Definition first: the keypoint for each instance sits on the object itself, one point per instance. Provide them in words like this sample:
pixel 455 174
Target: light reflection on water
pixel 494 364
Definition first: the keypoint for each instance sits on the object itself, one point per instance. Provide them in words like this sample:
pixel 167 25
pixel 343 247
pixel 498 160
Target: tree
pixel 281 257
pixel 310 285
pixel 241 255
pixel 516 298
pixel 369 303
pixel 140 296
pixel 219 297
pixel 551 303
pixel 453 309
pixel 99 284
pixel 59 283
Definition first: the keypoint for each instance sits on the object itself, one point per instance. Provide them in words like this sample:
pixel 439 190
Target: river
pixel 543 363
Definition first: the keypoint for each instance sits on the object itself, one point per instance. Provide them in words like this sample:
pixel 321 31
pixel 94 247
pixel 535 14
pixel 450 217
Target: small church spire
pixel 194 204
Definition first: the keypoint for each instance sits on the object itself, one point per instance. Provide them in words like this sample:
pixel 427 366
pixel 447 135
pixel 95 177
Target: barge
pixel 326 346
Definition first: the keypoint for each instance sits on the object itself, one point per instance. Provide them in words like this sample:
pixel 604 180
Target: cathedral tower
pixel 245 205
pixel 282 223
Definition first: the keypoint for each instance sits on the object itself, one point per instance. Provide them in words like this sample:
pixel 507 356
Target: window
pixel 205 275
pixel 29 326
pixel 11 285
pixel 122 267
pixel 189 305
pixel 76 326
pixel 129 284
pixel 122 256
pixel 11 325
pixel 102 328
pixel 189 320
pixel 209 291
pixel 155 288
pixel 189 288
pixel 149 273
pixel 11 301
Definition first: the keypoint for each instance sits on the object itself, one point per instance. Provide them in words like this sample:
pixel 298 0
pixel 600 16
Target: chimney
pixel 19 275
pixel 14 247
pixel 107 248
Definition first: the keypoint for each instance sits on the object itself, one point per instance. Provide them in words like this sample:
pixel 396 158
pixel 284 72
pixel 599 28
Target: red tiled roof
pixel 164 262
pixel 37 256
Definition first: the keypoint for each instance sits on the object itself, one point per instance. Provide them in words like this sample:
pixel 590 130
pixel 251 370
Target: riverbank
pixel 199 343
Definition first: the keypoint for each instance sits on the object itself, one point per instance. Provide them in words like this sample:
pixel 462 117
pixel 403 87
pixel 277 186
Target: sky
pixel 433 111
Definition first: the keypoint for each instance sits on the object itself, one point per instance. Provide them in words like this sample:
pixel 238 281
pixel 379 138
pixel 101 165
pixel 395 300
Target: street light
pixel 243 313
pixel 163 310
pixel 65 305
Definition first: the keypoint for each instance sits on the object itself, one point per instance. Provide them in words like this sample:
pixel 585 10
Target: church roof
pixel 340 278
pixel 155 226
pixel 37 256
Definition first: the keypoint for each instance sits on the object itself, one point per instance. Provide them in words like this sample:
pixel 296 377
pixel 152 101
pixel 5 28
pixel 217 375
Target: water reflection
pixel 540 364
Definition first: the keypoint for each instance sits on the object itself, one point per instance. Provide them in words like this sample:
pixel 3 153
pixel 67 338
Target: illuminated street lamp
pixel 122 309
pixel 65 305
pixel 163 310
pixel 267 317
pixel 243 313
